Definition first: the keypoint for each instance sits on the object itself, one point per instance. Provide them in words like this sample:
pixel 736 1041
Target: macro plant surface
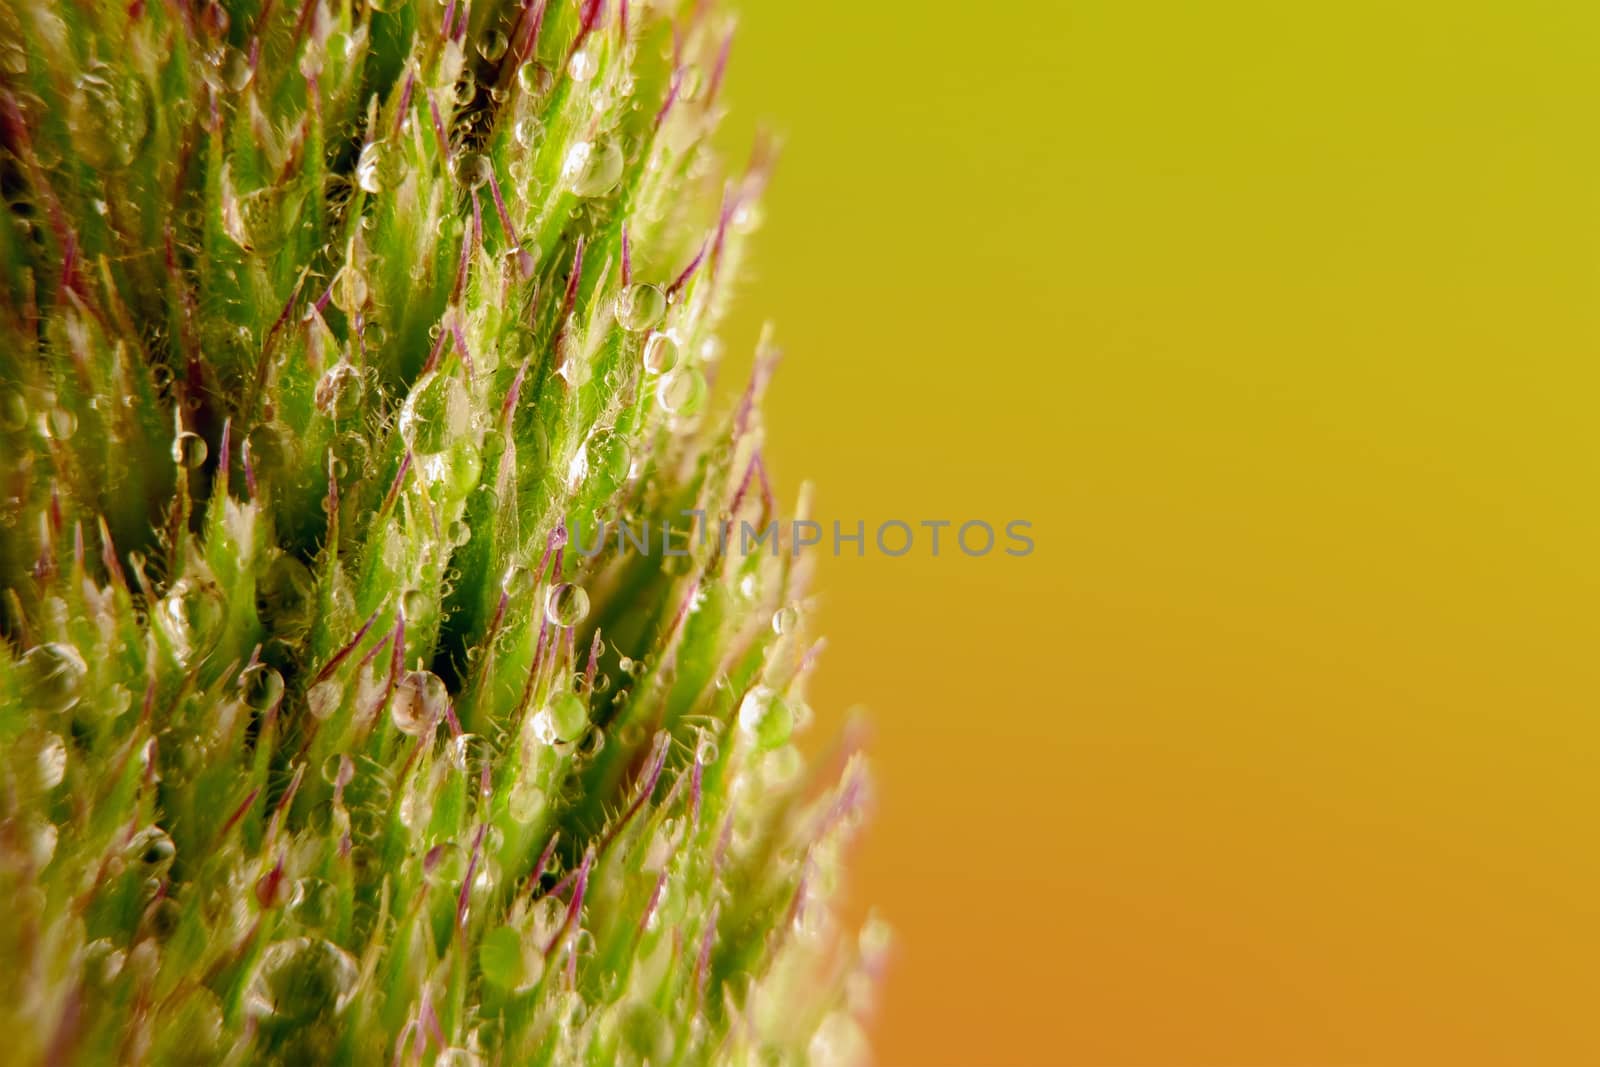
pixel 329 332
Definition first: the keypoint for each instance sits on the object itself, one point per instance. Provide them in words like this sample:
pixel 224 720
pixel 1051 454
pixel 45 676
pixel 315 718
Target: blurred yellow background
pixel 1279 322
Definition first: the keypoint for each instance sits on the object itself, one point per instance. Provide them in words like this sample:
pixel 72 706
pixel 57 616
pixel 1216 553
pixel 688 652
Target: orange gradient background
pixel 1279 323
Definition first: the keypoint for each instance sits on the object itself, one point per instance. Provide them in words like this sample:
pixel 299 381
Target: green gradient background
pixel 1278 320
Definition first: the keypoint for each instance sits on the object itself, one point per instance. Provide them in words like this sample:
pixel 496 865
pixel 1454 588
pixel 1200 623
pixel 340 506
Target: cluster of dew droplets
pixel 110 115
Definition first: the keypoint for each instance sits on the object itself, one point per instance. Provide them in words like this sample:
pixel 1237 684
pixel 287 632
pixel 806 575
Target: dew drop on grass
pixel 566 604
pixel 315 903
pixel 534 79
pixel 682 392
pixel 583 65
pixel 303 979
pixel 528 131
pixel 192 614
pixel 234 71
pixel 640 307
pixel 52 677
pixel 52 761
pixel 500 957
pixel 766 717
pixel 323 699
pixel 367 167
pixel 109 114
pixel 785 619
pixel 517 582
pixel 492 45
pixel 590 170
pixel 189 450
pixel 262 687
pixel 418 703
pixel 474 170
pixel 60 424
pixel 337 770
pixel 568 716
pixel 660 353
pixel 436 413
pixel 526 801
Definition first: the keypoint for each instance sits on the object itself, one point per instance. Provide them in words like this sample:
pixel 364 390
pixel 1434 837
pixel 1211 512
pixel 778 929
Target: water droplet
pixel 189 450
pixel 500 957
pixel 152 849
pixel 784 765
pixel 303 980
pixel 262 687
pixel 13 409
pixel 192 615
pixel 785 619
pixel 660 353
pixel 466 89
pixel 52 761
pixel 566 604
pixel 640 307
pixel 315 903
pixel 457 469
pixel 109 112
pixel 526 801
pixel 528 131
pixel 517 582
pixel 60 424
pixel 416 604
pixel 337 770
pixel 414 811
pixel 418 703
pixel 367 167
pixel 42 842
pixel 350 292
pixel 324 698
pixel 492 45
pixel 682 392
pixel 766 717
pixel 568 716
pixel 534 79
pixel 591 171
pixel 706 751
pixel 747 217
pixel 350 453
pixel 583 65
pixel 474 169
pixel 52 677
pixel 234 71
pixel 436 413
